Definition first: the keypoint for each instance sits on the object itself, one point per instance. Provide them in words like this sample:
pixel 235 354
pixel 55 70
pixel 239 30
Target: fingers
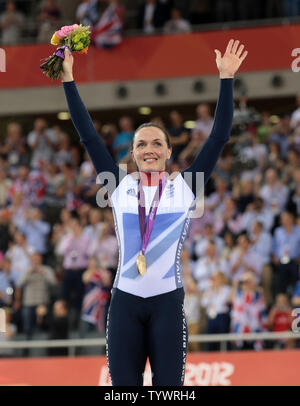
pixel 229 46
pixel 235 46
pixel 244 56
pixel 240 50
pixel 218 54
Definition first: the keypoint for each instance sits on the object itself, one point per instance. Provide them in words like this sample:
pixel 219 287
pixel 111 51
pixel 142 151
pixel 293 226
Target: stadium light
pixel 190 124
pixel 63 115
pixel 274 119
pixel 145 111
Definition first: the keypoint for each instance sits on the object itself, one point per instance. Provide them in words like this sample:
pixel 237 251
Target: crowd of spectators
pixel 59 251
pixel 109 18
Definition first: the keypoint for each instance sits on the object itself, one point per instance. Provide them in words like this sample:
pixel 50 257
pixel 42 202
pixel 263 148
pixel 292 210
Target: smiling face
pixel 150 150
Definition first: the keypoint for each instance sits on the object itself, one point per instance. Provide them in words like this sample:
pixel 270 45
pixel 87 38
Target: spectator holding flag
pixel 248 313
pixel 97 282
pixel 107 32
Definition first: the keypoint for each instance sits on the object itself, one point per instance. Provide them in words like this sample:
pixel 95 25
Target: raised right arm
pixel 101 158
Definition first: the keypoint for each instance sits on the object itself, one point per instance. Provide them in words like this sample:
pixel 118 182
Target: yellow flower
pixel 55 40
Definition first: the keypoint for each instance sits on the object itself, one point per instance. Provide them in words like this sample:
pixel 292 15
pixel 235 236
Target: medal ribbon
pixel 146 229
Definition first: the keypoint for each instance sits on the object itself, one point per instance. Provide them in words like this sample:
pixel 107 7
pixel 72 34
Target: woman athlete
pixel 152 213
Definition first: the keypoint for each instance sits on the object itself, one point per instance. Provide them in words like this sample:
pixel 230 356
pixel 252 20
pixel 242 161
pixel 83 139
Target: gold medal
pixel 141 263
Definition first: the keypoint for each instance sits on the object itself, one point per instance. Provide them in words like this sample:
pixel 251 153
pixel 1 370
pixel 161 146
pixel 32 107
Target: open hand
pixel 231 60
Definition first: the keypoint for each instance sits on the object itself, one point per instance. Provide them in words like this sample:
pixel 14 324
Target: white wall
pixel 99 96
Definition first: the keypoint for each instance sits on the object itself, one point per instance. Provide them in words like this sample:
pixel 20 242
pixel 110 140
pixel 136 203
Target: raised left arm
pixel 209 154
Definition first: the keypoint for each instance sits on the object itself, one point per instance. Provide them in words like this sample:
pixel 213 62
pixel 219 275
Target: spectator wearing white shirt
pixel 274 192
pixel 94 229
pixel 177 24
pixel 208 236
pixel 147 15
pixel 42 141
pixel 204 122
pixel 243 260
pixel 86 168
pixel 257 211
pixel 19 253
pixel 206 266
pixel 262 244
pixel 35 229
pixel 216 302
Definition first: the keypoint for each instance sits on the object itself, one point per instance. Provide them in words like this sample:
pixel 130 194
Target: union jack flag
pixel 108 31
pixel 95 301
pixel 248 314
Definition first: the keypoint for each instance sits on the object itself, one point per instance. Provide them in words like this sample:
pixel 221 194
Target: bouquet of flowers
pixel 74 37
